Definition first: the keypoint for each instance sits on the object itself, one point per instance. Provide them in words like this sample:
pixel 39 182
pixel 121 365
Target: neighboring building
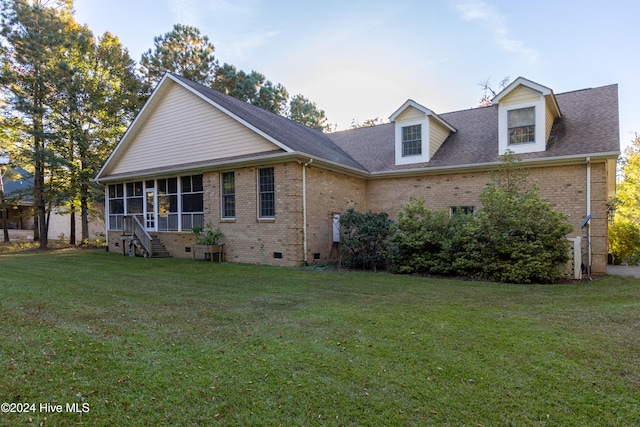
pixel 194 156
pixel 19 198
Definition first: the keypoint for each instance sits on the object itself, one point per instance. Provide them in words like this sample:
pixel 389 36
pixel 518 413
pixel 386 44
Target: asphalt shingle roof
pixel 298 137
pixel 589 125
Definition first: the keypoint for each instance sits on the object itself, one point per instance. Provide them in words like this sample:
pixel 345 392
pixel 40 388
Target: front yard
pixel 115 340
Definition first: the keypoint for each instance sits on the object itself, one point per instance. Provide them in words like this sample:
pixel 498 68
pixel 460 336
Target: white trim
pixel 540 143
pixel 427 112
pixel 220 173
pixel 258 201
pixel 424 132
pixel 157 93
pixel 543 90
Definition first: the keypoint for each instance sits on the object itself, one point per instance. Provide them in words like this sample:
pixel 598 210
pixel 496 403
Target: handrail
pixel 138 230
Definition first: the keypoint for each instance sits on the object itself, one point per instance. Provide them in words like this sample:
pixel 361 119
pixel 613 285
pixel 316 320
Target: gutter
pixel 349 170
pixel 481 167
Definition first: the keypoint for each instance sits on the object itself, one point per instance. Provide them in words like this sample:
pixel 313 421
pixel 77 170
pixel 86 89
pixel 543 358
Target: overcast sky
pixel 364 59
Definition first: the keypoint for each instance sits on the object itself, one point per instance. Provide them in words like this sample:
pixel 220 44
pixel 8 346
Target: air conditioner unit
pixel 573 268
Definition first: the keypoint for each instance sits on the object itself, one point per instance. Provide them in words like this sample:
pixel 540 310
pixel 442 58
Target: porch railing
pixel 133 226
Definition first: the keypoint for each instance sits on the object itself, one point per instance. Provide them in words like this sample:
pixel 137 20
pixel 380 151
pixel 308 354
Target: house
pixel 18 192
pixel 194 156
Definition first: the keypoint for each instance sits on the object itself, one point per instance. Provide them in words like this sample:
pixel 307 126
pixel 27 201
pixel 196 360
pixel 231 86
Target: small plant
pixel 208 235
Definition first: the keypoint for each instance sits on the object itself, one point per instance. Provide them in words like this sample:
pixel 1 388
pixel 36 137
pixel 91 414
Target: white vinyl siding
pixel 520 95
pixel 409 115
pixel 549 123
pixel 184 129
pixel 437 135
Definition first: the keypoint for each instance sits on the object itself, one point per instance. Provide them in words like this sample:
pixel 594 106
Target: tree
pixel 184 51
pixel 516 236
pixel 96 100
pixel 488 93
pixel 34 41
pixel 306 112
pixel 367 123
pixel 624 234
pixel 251 88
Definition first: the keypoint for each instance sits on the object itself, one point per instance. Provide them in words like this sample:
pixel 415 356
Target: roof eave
pixel 482 167
pixel 224 164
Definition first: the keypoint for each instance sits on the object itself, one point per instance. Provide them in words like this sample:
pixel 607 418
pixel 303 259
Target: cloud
pixel 491 18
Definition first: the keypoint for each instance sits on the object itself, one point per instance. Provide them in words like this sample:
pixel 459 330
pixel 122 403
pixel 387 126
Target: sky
pixel 360 60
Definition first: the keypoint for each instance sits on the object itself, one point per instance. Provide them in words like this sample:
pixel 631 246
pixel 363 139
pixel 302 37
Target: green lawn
pixel 180 342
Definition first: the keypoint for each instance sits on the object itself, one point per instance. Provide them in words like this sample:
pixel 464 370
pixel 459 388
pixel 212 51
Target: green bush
pixel 516 236
pixel 624 241
pixel 364 239
pixel 426 241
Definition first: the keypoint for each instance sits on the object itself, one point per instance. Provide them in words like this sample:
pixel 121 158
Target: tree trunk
pixel 84 209
pixel 72 225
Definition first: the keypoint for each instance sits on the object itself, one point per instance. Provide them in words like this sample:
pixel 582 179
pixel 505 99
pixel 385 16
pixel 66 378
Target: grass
pixel 178 342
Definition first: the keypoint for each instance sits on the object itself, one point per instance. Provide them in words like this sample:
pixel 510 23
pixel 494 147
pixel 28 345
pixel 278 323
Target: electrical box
pixel 336 228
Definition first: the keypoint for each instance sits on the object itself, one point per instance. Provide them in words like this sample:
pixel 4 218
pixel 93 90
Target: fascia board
pixel 524 82
pixel 223 164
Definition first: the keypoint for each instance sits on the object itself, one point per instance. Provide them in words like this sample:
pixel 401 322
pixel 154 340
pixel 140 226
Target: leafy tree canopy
pixel 184 51
pixel 624 234
pixel 302 110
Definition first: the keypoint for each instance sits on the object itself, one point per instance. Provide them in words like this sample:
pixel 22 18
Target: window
pixel 134 197
pixel 521 125
pixel 168 204
pixel 228 197
pixel 192 201
pixel 116 206
pixel 462 210
pixel 266 193
pixel 412 140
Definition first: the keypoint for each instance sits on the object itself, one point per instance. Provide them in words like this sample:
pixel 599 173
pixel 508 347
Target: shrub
pixel 427 241
pixel 516 236
pixel 365 239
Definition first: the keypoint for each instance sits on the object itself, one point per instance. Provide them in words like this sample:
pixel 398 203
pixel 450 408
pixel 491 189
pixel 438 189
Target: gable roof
pixel 410 103
pixel 588 127
pixel 292 135
pixel 285 134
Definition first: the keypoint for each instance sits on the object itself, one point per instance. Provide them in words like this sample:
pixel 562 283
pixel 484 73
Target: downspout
pixel 587 214
pixel 106 216
pixel 304 210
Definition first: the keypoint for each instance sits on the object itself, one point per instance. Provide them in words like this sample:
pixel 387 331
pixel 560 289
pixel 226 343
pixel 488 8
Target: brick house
pixel 195 156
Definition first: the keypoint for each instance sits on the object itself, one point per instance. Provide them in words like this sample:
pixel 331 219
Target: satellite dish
pixel 586 220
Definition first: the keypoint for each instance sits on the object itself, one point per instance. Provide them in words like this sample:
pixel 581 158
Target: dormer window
pixel 412 140
pixel 419 132
pixel 526 113
pixel 522 125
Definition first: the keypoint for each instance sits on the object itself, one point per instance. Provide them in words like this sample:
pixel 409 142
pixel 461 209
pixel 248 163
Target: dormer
pixel 419 132
pixel 526 112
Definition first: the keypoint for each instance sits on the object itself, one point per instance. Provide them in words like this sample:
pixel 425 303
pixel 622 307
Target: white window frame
pixel 259 194
pixel 414 158
pixel 503 128
pixel 223 195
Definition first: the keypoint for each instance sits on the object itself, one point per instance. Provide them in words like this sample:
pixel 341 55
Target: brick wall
pixel 329 193
pixel 564 186
pixel 249 239
pixel 252 240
